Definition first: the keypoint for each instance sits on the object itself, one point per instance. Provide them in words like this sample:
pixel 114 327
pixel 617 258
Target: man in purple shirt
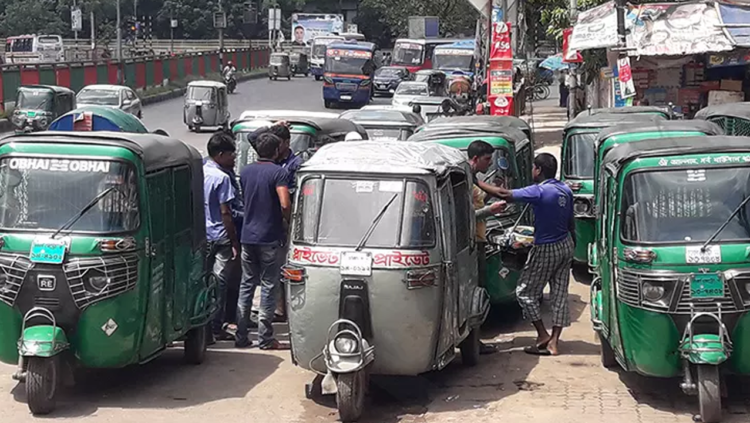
pixel 219 195
pixel 551 257
pixel 267 208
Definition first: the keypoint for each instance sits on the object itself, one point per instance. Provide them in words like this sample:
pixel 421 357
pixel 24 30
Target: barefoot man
pixel 551 256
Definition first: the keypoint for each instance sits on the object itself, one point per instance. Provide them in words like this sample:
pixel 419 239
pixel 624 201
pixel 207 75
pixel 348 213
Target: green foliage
pixel 456 16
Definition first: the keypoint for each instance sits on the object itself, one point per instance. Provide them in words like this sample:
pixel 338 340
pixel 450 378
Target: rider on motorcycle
pixel 228 74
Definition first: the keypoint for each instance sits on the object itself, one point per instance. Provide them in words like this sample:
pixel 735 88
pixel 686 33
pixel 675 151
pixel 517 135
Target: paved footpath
pixel 252 386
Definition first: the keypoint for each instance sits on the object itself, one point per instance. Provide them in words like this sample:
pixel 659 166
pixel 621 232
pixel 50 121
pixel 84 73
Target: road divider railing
pixel 137 73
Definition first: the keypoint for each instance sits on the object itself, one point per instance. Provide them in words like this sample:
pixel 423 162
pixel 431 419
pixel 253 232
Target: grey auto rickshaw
pixel 299 63
pixel 206 104
pixel 279 66
pixel 382 267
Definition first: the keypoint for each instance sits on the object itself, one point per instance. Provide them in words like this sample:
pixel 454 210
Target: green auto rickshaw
pixel 307 134
pixel 673 289
pixel 665 112
pixel 511 167
pixel 102 254
pixel 577 167
pixel 38 105
pixel 734 118
pixel 484 120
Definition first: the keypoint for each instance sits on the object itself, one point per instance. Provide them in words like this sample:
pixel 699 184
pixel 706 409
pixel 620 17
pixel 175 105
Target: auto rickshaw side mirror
pixel 416 109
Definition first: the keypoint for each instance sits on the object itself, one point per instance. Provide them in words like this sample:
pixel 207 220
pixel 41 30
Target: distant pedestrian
pixel 563 90
pixel 220 193
pixel 267 209
pixel 551 257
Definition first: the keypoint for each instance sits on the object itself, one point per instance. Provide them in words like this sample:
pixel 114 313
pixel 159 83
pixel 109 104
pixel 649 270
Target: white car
pixel 114 96
pixel 408 91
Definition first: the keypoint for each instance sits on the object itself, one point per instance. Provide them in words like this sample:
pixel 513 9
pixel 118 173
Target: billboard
pixel 306 26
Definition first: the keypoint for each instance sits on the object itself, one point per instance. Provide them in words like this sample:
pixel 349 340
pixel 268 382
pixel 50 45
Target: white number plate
pixel 356 264
pixel 694 255
pixel 346 97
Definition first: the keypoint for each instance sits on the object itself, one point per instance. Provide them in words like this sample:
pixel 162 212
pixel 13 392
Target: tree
pixel 457 17
pixel 30 16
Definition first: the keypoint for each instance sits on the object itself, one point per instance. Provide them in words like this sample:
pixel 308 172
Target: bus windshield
pixel 453 60
pixel 351 62
pixel 319 45
pixel 408 54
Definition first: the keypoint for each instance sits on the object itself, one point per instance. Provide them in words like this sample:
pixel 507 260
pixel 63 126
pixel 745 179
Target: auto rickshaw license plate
pixel 707 286
pixel 356 264
pixel 48 250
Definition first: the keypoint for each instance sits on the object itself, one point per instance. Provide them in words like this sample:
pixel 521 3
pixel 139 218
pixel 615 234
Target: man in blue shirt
pixel 267 208
pixel 551 257
pixel 219 195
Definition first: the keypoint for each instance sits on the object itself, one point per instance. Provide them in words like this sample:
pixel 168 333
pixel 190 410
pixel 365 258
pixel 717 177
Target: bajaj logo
pixel 46 282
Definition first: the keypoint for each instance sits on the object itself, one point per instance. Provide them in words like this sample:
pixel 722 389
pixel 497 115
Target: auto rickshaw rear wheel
pixel 350 398
pixel 289 78
pixel 317 77
pixel 42 381
pixel 470 348
pixel 196 343
pixel 709 393
pixel 607 354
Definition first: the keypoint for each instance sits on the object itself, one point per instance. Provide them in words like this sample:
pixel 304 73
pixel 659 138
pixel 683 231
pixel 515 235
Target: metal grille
pixel 14 267
pixel 629 283
pixel 346 86
pixel 733 126
pixel 122 270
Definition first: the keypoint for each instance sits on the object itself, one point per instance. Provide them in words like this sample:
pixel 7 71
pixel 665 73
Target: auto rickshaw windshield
pixel 201 93
pixel 499 173
pixel 45 193
pixel 300 142
pixel 579 155
pixel 99 97
pixel 682 206
pixel 388 133
pixel 350 206
pixel 277 60
pixel 34 99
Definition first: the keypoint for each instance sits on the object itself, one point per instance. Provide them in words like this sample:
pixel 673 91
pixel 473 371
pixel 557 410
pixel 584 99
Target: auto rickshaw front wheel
pixel 350 395
pixel 42 381
pixel 709 393
pixel 317 77
pixel 196 344
pixel 470 348
pixel 607 354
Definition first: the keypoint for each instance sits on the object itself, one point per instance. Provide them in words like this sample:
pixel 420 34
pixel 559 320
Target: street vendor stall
pixel 689 54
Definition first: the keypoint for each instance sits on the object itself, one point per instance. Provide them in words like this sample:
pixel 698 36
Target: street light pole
pixel 221 34
pixel 119 33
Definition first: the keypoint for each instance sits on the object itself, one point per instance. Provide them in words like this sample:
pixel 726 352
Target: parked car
pixel 115 96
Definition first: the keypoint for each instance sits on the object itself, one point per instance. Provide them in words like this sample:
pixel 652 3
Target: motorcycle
pixel 230 82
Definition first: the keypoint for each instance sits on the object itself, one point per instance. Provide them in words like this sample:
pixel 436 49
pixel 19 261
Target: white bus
pixel 318 53
pixel 34 49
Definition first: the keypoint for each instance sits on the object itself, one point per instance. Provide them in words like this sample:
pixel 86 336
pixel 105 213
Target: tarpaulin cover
pixel 735 14
pixel 386 157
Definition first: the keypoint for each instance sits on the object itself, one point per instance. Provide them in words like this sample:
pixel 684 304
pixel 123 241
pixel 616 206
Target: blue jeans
pixel 219 262
pixel 260 266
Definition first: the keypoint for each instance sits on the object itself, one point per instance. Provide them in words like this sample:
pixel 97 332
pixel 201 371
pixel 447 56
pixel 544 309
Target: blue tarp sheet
pixel 734 14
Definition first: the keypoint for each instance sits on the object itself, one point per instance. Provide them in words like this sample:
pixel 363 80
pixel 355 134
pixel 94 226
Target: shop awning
pixel 736 19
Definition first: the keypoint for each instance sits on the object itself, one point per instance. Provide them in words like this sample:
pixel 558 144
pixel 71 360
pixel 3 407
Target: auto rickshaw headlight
pixel 345 344
pixel 581 206
pixel 97 284
pixel 653 292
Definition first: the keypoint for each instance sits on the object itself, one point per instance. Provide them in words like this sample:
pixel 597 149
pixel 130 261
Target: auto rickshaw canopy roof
pixel 156 151
pixel 441 132
pixel 708 128
pixel 735 110
pixel 386 157
pixel 325 126
pixel 275 114
pixel 386 116
pixel 480 120
pixel 605 120
pixel 53 88
pixel 104 119
pixel 207 83
pixel 629 110
pixel 676 146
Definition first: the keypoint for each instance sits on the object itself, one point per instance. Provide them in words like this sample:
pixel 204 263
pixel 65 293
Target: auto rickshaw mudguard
pixel 650 341
pixel 42 341
pixel 585 233
pixel 716 356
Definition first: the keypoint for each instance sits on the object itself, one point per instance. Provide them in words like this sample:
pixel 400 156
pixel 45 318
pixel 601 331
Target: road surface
pixel 256 386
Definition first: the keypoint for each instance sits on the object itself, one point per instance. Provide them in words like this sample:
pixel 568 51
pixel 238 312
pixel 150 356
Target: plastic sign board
pixel 220 20
pixel 76 19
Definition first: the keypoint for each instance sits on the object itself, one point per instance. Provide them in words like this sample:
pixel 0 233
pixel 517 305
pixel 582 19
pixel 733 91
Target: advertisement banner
pixel 306 26
pixel 501 78
pixel 569 55
pixel 625 76
pixel 677 30
pixel 500 49
pixel 501 105
pixel 596 28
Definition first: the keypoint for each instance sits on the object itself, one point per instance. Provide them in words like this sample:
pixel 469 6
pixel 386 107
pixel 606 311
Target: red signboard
pixel 501 49
pixel 570 56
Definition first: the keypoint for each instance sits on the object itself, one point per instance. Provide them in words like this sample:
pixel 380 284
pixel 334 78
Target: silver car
pixel 115 96
pixel 408 91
